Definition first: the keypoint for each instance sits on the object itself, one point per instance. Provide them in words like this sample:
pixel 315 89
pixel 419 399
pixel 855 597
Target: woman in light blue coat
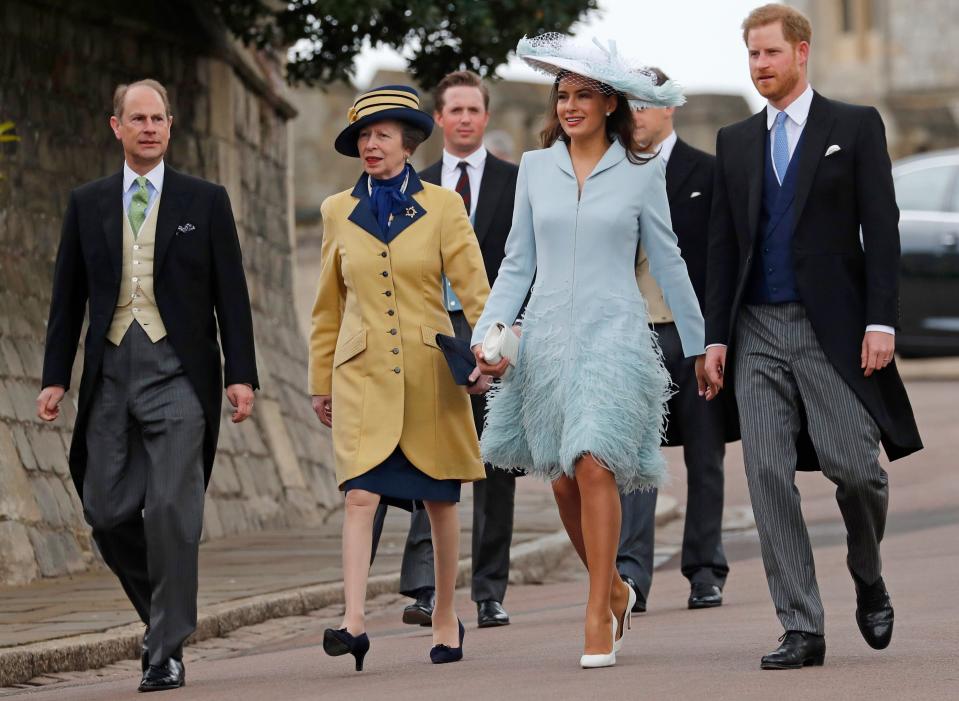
pixel 584 406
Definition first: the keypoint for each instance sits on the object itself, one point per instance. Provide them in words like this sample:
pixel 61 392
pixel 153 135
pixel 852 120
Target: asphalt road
pixel 671 652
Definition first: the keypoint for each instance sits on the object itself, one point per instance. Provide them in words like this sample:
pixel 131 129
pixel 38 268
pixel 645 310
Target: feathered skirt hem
pixel 594 386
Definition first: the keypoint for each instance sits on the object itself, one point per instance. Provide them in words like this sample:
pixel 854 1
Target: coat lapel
pixel 111 211
pixel 678 169
pixel 362 214
pixel 173 202
pixel 754 149
pixel 433 174
pixel 491 189
pixel 815 134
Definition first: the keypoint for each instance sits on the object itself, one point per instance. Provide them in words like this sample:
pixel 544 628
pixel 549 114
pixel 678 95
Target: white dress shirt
pixel 154 186
pixel 797 112
pixel 666 147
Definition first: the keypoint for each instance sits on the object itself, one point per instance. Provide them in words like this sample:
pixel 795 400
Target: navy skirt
pixel 400 483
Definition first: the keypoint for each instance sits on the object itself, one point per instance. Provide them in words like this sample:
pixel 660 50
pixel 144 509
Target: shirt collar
pixel 154 177
pixel 666 147
pixel 475 160
pixel 797 110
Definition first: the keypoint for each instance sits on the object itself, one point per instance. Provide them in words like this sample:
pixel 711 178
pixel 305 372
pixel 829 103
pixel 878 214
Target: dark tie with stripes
pixel 463 186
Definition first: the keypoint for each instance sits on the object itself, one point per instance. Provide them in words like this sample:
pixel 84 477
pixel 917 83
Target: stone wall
pixel 59 63
pixel 896 56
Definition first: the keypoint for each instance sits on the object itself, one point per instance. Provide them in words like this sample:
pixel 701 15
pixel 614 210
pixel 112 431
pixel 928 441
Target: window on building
pixel 925 189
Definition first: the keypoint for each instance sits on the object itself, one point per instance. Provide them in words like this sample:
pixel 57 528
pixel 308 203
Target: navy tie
pixel 780 147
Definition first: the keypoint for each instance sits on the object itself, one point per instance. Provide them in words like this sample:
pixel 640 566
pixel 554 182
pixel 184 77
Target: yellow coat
pixel 373 343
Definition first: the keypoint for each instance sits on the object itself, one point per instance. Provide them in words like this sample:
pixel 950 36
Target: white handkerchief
pixel 695 194
pixel 832 149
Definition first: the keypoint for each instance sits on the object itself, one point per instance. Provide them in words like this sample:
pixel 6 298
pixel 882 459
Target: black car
pixel 927 192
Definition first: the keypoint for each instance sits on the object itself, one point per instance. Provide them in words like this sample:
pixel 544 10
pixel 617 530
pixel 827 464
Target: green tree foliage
pixel 327 35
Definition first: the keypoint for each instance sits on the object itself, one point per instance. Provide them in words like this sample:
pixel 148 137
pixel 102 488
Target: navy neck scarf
pixel 387 199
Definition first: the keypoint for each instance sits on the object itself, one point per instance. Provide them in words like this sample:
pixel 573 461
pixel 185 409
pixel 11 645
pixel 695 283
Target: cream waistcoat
pixel 659 312
pixel 136 300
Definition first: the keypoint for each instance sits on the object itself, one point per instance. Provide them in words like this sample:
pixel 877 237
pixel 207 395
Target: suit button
pixel 396 370
pixel 385 274
pixel 391 312
pixel 388 293
pixel 396 351
pixel 392 332
pixel 383 254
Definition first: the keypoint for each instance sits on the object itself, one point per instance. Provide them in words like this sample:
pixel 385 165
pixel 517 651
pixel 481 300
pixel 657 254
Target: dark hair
pixel 412 137
pixel 658 73
pixel 619 123
pixel 457 79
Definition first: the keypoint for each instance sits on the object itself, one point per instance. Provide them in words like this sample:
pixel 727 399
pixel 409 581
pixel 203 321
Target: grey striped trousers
pixel 780 370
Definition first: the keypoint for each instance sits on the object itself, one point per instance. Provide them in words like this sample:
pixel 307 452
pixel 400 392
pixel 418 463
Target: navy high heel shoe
pixel 340 642
pixel 441 654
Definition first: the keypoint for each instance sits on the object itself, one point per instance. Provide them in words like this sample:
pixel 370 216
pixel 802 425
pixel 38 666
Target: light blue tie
pixel 780 147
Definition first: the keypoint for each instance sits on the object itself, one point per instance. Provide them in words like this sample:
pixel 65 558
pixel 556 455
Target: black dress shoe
pixel 640 605
pixel 491 614
pixel 170 675
pixel 420 612
pixel 874 612
pixel 797 650
pixel 704 596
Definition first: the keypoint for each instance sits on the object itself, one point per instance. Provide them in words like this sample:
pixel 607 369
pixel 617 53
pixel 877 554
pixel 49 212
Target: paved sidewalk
pixel 85 621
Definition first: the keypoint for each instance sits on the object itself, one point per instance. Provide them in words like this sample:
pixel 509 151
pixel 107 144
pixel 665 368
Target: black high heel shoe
pixel 441 654
pixel 340 642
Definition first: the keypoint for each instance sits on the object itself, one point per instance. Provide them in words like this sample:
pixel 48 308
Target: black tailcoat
pixel 845 283
pixel 198 282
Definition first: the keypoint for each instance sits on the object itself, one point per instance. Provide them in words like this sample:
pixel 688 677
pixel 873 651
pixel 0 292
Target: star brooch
pixel 411 212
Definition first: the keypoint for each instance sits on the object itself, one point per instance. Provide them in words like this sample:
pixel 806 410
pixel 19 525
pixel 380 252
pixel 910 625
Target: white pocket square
pixel 185 228
pixel 695 194
pixel 831 150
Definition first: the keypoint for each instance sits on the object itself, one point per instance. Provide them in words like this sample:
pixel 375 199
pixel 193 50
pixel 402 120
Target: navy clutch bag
pixel 459 357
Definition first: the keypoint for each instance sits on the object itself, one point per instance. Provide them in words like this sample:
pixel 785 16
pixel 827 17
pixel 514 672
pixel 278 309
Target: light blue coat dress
pixel 590 376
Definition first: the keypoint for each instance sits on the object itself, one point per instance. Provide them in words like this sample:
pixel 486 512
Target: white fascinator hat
pixel 557 55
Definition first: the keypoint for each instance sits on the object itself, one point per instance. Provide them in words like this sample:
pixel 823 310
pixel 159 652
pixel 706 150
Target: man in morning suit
pixel 487 185
pixel 701 428
pixel 801 305
pixel 154 256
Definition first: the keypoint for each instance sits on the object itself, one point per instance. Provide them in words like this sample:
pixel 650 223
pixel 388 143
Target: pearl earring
pixel 608 113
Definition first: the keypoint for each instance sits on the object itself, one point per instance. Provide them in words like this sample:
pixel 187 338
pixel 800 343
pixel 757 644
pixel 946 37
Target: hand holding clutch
pixel 501 342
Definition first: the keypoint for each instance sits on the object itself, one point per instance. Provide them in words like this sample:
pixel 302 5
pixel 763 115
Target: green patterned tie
pixel 138 206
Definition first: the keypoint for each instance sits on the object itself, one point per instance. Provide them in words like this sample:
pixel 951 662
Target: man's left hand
pixel 878 349
pixel 241 397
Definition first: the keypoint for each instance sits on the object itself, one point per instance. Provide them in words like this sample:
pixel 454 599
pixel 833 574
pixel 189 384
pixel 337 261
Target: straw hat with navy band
pixel 398 102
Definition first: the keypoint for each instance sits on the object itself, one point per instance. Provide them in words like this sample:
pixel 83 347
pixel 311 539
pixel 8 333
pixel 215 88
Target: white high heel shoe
pixel 595 661
pixel 627 620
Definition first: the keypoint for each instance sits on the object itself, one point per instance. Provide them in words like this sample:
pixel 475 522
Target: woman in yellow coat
pixel 404 431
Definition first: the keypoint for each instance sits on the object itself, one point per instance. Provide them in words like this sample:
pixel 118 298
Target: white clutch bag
pixel 501 342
